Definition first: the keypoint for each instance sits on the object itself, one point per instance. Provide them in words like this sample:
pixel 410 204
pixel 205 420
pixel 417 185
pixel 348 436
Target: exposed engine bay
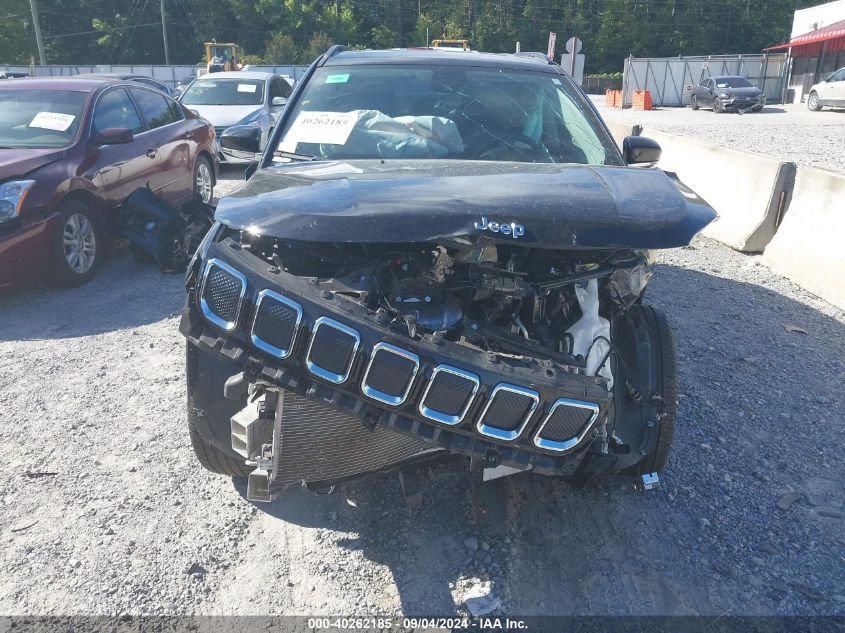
pixel 509 301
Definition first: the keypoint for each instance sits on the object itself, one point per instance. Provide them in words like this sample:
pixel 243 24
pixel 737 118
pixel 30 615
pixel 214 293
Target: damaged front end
pixel 390 330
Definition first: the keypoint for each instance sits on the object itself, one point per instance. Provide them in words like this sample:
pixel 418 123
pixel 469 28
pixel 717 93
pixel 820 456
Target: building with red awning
pixel 816 47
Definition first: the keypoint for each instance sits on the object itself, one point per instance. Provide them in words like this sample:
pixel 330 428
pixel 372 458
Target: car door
pixel 169 139
pixel 836 87
pixel 117 170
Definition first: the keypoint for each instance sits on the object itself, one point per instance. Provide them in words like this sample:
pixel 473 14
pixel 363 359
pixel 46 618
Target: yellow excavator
pixel 222 57
pixel 460 44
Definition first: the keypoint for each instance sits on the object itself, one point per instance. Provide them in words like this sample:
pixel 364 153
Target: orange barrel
pixel 642 100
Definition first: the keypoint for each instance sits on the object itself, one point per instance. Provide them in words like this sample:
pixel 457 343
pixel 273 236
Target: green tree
pixel 281 49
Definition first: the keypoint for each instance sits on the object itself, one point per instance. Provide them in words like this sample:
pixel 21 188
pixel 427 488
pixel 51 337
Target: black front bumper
pixel 230 341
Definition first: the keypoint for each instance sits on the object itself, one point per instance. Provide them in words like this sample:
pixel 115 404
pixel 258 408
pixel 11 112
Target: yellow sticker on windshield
pixel 337 79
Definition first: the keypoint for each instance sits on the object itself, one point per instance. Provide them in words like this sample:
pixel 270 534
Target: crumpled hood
pixel 465 202
pixel 20 162
pixel 224 115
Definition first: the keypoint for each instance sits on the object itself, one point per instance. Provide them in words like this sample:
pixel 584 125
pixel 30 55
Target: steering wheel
pixel 519 145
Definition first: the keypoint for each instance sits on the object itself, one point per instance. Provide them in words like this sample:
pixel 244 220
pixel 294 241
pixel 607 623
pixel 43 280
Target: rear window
pixel 40 118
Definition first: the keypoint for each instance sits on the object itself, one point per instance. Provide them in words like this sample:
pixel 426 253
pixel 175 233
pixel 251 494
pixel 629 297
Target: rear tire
pixel 210 457
pixel 813 104
pixel 77 245
pixel 203 181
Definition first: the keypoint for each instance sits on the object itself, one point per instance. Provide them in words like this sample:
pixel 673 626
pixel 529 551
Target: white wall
pixel 813 18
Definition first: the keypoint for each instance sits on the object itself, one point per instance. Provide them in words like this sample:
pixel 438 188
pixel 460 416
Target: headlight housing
pixel 724 95
pixel 12 194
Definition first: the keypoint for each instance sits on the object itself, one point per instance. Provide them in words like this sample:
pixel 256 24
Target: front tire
pixel 202 414
pixel 694 102
pixel 77 245
pixel 717 106
pixel 813 104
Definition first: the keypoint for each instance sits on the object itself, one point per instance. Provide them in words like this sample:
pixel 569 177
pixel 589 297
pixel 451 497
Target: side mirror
pixel 639 150
pixel 241 142
pixel 279 102
pixel 113 136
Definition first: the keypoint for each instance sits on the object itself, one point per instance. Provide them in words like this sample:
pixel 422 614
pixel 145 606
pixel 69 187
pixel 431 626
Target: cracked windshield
pixel 442 112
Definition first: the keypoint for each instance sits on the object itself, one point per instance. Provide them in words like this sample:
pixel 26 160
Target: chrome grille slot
pixel 449 395
pixel 507 412
pixel 566 424
pixel 275 324
pixel 222 294
pixel 390 374
pixel 332 350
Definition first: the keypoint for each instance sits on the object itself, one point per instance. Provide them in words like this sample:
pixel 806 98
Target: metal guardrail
pixel 169 75
pixel 670 79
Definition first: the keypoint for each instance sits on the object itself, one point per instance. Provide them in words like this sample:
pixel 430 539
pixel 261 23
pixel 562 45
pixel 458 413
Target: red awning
pixel 830 32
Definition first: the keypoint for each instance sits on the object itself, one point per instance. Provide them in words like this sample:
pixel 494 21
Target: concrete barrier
pixel 619 130
pixel 809 247
pixel 749 192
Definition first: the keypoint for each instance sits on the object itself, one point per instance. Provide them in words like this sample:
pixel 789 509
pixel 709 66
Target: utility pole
pixel 37 28
pixel 163 35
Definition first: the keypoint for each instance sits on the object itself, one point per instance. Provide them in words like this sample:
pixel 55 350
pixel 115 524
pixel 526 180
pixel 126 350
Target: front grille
pixel 222 294
pixel 332 350
pixel 566 425
pixel 449 395
pixel 507 412
pixel 390 374
pixel 276 321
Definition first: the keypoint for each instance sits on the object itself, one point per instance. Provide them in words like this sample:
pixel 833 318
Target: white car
pixel 238 98
pixel 830 92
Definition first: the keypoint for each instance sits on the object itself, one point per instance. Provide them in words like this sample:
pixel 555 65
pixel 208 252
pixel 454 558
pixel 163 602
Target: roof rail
pixel 540 57
pixel 334 49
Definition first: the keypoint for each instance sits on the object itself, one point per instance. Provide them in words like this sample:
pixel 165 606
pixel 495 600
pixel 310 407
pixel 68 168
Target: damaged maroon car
pixel 439 255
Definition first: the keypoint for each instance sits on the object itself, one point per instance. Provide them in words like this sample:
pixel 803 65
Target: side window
pixel 839 75
pixel 154 108
pixel 115 109
pixel 151 83
pixel 279 88
pixel 175 109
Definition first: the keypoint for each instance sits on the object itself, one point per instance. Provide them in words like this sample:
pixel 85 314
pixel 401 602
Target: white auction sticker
pixel 247 87
pixel 332 128
pixel 52 121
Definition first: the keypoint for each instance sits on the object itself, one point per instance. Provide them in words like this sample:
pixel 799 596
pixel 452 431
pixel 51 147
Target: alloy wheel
pixel 203 184
pixel 80 243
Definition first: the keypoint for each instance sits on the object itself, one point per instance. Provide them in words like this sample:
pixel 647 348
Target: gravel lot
pixel 103 508
pixel 788 132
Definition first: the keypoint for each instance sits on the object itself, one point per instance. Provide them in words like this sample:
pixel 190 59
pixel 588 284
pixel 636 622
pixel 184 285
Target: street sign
pixel 572 61
pixel 552 41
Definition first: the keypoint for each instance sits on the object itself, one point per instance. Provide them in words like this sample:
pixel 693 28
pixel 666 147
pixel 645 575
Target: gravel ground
pixel 103 508
pixel 787 132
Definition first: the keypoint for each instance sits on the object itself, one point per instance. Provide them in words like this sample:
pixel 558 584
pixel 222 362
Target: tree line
pixel 296 31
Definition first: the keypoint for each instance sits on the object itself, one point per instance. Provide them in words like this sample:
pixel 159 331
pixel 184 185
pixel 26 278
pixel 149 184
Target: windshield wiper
pixel 293 156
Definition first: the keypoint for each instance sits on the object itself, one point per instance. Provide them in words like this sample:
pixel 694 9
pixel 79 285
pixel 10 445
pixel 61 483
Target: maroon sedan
pixel 71 151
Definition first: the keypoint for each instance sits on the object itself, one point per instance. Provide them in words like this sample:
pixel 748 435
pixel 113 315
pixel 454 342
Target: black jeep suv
pixel 439 254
